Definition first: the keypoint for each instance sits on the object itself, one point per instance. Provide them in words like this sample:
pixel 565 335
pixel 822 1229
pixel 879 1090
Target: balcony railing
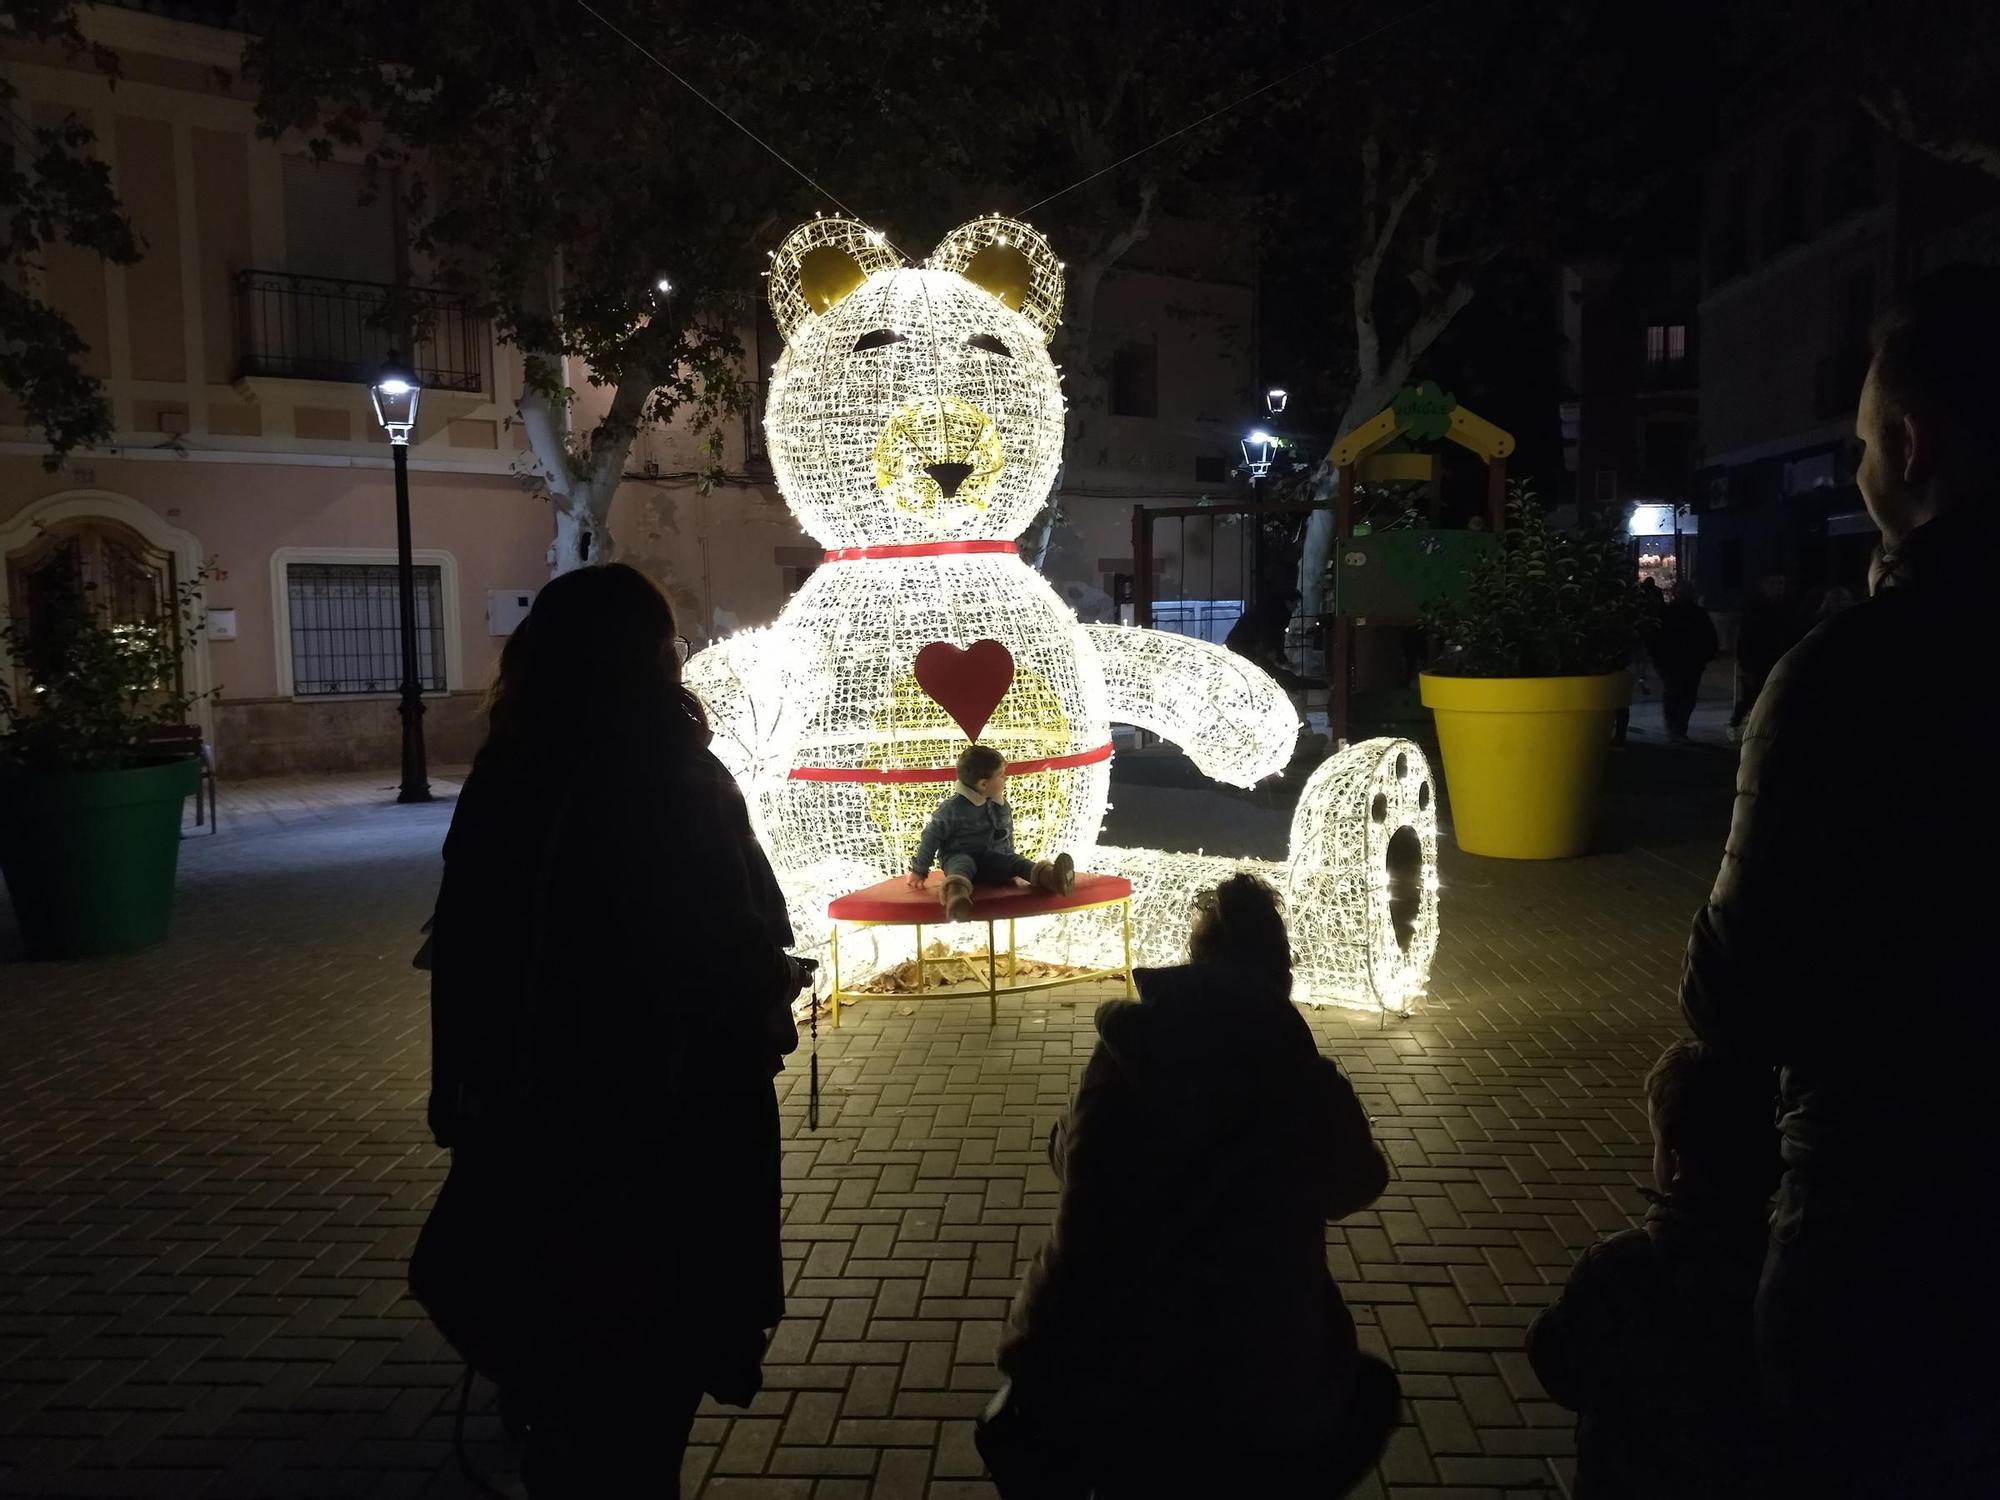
pixel 322 328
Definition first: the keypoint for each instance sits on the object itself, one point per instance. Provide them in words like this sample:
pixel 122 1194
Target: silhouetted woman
pixel 610 1002
pixel 1180 1334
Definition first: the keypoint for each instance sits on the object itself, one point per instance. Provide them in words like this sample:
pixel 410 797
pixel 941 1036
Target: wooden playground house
pixel 1381 579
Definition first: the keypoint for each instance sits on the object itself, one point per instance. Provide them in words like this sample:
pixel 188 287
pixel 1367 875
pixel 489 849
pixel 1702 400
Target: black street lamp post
pixel 395 393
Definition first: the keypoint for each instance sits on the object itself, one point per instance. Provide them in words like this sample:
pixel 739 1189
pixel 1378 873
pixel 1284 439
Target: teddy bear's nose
pixel 948 477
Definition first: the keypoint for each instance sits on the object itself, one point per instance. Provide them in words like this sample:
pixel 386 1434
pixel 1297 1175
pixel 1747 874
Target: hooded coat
pixel 610 1002
pixel 1650 1344
pixel 1185 1282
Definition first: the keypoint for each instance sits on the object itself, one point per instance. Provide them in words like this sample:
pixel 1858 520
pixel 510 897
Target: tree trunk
pixel 1317 551
pixel 1367 400
pixel 583 533
pixel 582 492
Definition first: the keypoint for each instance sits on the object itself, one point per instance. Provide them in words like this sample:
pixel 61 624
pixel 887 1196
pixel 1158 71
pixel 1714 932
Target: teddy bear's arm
pixel 746 685
pixel 1232 719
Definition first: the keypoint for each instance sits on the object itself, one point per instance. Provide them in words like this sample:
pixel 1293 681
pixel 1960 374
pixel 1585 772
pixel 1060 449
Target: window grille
pixel 344 628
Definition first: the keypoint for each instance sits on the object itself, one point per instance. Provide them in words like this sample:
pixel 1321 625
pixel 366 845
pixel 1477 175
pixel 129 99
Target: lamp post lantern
pixel 395 392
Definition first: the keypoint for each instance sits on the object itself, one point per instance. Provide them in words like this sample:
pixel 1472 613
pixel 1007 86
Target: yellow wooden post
pixel 833 1004
pixel 1013 966
pixel 920 958
pixel 1126 907
pixel 993 974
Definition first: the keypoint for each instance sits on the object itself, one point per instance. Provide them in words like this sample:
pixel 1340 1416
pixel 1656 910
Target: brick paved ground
pixel 213 1165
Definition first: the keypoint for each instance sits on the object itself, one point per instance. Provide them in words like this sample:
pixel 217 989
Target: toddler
pixel 1651 1343
pixel 971 837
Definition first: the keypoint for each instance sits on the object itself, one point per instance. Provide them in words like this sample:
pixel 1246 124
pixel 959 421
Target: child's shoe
pixel 957 898
pixel 1056 876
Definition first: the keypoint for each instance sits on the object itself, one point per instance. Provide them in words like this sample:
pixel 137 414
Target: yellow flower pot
pixel 1523 757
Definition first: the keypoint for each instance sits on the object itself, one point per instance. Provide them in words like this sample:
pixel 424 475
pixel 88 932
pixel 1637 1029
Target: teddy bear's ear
pixel 819 263
pixel 1010 260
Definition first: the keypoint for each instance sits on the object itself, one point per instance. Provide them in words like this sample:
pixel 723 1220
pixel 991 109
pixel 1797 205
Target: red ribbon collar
pixel 918 549
pixel 906 775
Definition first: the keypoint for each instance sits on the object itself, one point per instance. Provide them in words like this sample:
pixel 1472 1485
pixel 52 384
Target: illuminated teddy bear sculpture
pixel 915 424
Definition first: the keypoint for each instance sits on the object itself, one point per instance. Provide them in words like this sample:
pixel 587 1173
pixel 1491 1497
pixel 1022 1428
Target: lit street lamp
pixel 395 393
pixel 1260 451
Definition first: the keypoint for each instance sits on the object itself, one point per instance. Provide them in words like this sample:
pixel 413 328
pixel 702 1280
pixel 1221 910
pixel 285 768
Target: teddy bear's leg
pixel 1361 886
pixel 1164 886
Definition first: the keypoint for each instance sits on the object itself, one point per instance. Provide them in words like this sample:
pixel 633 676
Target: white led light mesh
pixel 998 252
pixel 819 256
pixel 894 424
pixel 914 369
pixel 857 628
pixel 1235 723
pixel 1360 886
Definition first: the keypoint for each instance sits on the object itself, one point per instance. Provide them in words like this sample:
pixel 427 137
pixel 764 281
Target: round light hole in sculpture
pixel 1403 862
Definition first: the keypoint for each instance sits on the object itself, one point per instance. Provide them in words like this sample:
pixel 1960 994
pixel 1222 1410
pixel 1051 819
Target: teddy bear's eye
pixel 880 338
pixel 990 344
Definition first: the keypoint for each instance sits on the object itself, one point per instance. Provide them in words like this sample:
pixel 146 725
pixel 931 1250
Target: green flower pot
pixel 89 856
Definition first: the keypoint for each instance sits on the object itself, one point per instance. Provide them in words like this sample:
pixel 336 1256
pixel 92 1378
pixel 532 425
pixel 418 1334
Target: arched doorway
pixel 133 561
pixel 132 582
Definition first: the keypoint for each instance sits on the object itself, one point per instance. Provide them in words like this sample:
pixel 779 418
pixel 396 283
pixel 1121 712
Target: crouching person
pixel 1180 1334
pixel 1653 1342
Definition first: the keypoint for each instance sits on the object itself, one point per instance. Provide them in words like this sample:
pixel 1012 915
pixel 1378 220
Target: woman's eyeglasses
pixel 682 650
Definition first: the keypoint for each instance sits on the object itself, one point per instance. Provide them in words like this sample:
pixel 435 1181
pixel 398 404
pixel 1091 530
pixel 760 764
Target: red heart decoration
pixel 968 684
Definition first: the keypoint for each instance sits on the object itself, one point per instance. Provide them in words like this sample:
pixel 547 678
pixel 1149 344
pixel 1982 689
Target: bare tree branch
pixel 1893 113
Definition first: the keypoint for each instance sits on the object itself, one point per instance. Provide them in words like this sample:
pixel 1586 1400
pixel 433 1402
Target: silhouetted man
pixel 1847 943
pixel 1259 632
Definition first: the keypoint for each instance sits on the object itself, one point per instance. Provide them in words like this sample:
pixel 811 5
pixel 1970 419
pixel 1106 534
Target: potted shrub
pixel 1528 670
pixel 90 810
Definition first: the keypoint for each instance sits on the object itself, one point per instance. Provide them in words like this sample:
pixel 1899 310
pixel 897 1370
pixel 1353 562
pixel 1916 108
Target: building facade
pixel 1810 225
pixel 1629 410
pixel 246 455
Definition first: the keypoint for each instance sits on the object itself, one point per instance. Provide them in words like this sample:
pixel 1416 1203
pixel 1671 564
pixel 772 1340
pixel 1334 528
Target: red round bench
pixel 892 903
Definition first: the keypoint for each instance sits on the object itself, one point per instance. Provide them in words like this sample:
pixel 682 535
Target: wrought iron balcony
pixel 296 327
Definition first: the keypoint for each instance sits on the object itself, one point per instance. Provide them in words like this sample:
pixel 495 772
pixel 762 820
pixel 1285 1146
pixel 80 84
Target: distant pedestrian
pixel 1770 627
pixel 1180 1334
pixel 1846 943
pixel 1651 603
pixel 610 1002
pixel 1651 1344
pixel 1683 645
pixel 1259 632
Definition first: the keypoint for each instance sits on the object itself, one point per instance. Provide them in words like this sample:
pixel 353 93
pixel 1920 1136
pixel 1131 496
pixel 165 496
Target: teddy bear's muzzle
pixel 938 449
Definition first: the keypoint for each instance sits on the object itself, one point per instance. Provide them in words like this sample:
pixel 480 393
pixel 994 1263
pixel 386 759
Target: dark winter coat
pixel 1855 892
pixel 1185 1282
pixel 610 995
pixel 963 825
pixel 1652 1345
pixel 1683 640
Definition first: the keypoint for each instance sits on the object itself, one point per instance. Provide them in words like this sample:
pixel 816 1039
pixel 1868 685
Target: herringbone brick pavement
pixel 213 1164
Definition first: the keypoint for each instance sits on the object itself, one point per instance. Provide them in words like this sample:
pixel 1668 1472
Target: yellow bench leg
pixel 833 1004
pixel 1126 907
pixel 992 977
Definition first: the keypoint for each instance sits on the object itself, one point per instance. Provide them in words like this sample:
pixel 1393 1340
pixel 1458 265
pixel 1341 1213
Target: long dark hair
pixel 592 672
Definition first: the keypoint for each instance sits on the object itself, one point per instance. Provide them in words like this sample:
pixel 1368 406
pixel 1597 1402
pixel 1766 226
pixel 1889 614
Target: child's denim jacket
pixel 965 823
